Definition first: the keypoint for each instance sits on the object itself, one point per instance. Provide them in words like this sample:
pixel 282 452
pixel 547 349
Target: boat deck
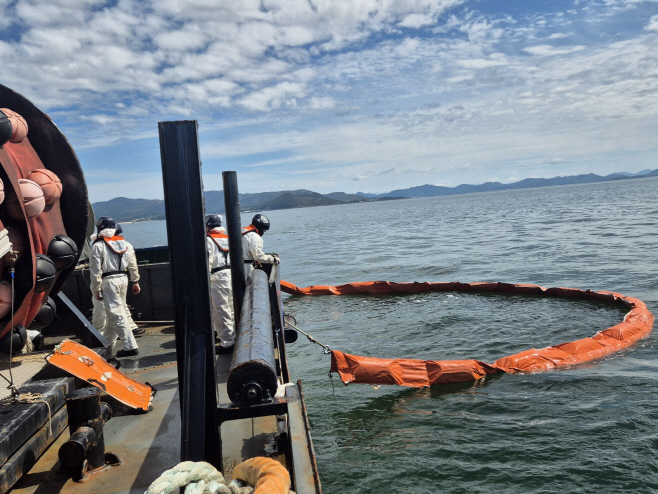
pixel 148 443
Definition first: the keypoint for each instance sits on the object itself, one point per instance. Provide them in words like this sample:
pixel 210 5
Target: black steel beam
pixel 234 232
pixel 225 413
pixel 78 323
pixel 195 348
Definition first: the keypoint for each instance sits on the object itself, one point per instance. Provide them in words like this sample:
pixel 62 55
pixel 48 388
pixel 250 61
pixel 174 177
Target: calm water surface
pixel 592 428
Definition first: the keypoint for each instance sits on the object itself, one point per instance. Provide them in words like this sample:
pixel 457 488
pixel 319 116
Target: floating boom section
pixel 252 378
pixel 636 325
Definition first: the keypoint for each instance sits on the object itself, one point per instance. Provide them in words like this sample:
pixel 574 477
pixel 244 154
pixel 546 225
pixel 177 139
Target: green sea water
pixel 587 429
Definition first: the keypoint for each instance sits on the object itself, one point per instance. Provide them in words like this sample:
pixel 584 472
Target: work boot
pixel 127 353
pixel 224 349
pixel 138 331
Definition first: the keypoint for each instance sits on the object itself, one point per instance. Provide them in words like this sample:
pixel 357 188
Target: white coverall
pixel 98 315
pixel 113 288
pixel 221 293
pixel 252 247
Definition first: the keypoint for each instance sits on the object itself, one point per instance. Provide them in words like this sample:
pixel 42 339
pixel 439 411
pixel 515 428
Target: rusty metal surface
pixel 305 474
pixel 253 361
pixel 151 441
pixel 26 456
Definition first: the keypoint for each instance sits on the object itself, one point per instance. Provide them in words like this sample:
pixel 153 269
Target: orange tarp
pixel 637 324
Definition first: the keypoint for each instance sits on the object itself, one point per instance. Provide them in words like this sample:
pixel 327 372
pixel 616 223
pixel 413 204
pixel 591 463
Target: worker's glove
pixel 276 258
pixel 136 288
pixel 99 295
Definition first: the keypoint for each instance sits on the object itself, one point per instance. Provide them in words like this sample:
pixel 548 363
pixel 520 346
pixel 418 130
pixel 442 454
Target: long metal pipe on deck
pixel 252 378
pixel 234 232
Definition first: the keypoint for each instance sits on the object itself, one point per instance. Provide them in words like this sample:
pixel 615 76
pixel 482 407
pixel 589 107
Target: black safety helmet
pixel 105 222
pixel 213 221
pixel 261 223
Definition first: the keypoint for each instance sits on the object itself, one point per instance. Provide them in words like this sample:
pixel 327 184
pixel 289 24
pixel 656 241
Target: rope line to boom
pixel 327 350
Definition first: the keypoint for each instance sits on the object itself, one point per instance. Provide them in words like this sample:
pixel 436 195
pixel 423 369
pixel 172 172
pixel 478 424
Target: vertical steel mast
pixel 195 342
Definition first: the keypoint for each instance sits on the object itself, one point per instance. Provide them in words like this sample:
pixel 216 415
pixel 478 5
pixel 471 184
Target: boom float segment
pixel 636 325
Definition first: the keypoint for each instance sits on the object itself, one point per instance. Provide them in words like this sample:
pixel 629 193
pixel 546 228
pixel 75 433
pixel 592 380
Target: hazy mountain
pixel 124 209
pixel 290 200
pixel 437 190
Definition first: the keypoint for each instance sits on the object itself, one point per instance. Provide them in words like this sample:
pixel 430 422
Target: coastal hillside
pixel 436 190
pixel 125 209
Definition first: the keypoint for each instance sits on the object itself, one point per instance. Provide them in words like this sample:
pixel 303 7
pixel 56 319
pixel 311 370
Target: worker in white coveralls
pixel 109 267
pixel 252 244
pixel 221 294
pixel 98 316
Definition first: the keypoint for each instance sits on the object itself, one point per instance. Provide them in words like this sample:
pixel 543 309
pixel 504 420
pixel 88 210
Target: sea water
pixel 590 428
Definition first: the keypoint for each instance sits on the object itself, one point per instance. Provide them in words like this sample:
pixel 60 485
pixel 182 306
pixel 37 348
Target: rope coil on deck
pixel 267 475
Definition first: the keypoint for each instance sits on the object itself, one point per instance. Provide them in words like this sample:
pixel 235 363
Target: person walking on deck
pixel 252 244
pixel 221 293
pixel 110 266
pixel 98 315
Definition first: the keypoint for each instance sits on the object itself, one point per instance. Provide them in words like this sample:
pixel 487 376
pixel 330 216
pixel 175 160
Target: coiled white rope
pixel 199 477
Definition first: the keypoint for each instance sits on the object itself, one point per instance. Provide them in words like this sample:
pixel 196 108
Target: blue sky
pixel 339 95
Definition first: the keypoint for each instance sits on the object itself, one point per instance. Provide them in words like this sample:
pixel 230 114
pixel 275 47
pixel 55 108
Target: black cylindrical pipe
pixel 85 417
pixel 234 232
pixel 252 378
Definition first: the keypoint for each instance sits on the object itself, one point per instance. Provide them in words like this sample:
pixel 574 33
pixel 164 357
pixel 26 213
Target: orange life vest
pixel 117 243
pixel 250 228
pixel 119 246
pixel 221 241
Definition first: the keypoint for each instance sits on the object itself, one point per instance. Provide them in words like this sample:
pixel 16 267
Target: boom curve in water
pixel 636 325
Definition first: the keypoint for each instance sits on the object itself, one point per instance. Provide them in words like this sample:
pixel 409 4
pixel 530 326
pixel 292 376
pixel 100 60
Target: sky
pixel 352 96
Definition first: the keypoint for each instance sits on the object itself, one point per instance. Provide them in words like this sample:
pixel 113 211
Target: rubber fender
pixel 5 128
pixel 45 315
pixel 46 273
pixel 5 298
pixel 31 196
pixel 18 125
pixel 49 183
pixel 62 251
pixel 19 336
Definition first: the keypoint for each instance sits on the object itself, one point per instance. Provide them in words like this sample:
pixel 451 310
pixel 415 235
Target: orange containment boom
pixel 637 324
pixel 86 364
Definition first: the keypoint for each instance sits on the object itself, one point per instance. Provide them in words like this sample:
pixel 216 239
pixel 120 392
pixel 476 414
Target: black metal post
pixel 195 342
pixel 234 232
pixel 84 410
pixel 79 324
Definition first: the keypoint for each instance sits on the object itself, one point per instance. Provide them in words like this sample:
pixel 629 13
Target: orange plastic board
pixel 637 324
pixel 88 365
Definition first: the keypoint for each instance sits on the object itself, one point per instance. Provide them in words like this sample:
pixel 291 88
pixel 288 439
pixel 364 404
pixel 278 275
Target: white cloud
pixel 357 87
pixel 653 24
pixel 551 51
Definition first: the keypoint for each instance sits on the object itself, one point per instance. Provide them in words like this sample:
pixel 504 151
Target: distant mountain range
pixel 123 209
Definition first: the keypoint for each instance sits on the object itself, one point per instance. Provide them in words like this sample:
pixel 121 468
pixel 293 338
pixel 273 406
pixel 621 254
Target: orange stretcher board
pixel 86 364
